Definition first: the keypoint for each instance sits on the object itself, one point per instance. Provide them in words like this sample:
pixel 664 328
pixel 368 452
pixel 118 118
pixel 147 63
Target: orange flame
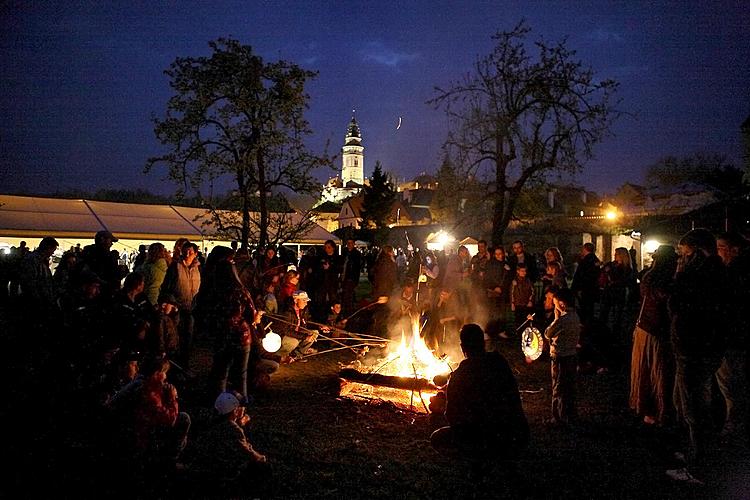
pixel 413 357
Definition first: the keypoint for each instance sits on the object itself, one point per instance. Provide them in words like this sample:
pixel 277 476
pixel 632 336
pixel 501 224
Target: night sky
pixel 79 81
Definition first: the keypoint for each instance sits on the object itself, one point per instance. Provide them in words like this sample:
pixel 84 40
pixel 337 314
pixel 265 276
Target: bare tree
pixel 518 117
pixel 234 116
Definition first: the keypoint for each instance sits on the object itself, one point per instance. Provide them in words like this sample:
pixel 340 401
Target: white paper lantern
pixel 271 342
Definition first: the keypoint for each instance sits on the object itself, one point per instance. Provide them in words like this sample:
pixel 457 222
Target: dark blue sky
pixel 80 80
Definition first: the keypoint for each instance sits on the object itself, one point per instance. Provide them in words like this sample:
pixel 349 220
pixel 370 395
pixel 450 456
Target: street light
pixel 651 246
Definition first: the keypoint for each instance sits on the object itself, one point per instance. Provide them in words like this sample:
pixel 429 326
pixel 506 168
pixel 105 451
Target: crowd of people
pixel 114 331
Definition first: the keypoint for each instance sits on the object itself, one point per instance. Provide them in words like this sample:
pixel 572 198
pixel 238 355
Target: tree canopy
pixel 517 117
pixel 378 200
pixel 235 117
pixel 703 171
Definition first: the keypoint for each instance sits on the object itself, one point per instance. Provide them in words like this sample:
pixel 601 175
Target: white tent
pixel 75 222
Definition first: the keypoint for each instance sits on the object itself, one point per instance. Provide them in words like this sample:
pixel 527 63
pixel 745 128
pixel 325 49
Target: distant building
pixel 352 178
pixel 422 181
pixel 327 214
pixel 351 212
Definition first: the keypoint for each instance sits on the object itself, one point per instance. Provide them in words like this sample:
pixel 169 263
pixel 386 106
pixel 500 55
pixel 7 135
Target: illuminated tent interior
pixel 75 222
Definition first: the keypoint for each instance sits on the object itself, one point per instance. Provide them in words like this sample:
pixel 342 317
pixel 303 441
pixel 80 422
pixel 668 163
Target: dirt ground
pixel 325 446
pixel 321 445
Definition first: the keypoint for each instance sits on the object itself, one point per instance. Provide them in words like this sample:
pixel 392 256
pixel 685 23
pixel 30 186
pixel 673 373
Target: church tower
pixel 352 156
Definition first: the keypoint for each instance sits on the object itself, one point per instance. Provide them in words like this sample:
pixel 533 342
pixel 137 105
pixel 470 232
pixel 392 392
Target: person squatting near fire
pixel 296 338
pixel 482 406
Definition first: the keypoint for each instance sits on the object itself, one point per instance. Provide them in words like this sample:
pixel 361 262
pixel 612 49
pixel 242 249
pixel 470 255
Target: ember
pixel 405 376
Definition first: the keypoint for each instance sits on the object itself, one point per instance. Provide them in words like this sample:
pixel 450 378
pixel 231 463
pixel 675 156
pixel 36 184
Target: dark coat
pixel 351 265
pixel 385 276
pixel 586 278
pixel 483 395
pixel 697 308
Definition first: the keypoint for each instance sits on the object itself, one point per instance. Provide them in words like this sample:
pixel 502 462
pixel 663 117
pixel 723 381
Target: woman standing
pixel 652 361
pixel 620 275
pixel 154 270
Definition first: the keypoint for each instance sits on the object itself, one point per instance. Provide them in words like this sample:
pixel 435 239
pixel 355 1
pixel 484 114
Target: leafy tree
pixel 702 171
pixel 447 199
pixel 518 117
pixel 234 116
pixel 378 200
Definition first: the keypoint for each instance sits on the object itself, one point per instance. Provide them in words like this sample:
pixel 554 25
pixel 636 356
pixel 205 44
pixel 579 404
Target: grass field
pixel 321 445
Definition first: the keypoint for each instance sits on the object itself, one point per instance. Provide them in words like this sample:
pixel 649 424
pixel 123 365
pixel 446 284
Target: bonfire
pixel 407 376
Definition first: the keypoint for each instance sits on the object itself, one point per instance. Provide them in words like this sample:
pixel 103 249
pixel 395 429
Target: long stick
pixel 363 308
pixel 309 331
pixel 353 335
pixel 524 323
pixel 335 349
pixel 360 337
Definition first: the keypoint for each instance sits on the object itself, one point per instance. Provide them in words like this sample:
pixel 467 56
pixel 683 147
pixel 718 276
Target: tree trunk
pixel 262 202
pixel 405 383
pixel 245 229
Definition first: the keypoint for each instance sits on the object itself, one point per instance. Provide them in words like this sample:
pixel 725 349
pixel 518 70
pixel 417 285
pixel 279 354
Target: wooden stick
pixel 334 349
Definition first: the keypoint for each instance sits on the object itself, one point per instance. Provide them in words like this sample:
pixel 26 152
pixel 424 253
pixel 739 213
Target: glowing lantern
pixel 532 343
pixel 271 342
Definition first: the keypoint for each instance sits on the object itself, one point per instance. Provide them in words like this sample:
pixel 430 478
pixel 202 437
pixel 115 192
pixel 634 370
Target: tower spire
pixel 352 157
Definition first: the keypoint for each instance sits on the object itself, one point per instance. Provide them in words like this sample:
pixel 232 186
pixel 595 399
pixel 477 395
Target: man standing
pixel 585 284
pixel 98 259
pixel 519 255
pixel 351 270
pixel 697 308
pixel 732 374
pixel 457 276
pixel 38 290
pixel 326 276
pixel 478 269
pixel 183 280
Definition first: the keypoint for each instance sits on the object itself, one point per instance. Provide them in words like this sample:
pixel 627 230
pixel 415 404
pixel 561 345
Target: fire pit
pixel 404 377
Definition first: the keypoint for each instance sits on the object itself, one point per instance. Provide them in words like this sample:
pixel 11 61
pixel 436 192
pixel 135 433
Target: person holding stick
pixel 296 338
pixel 563 334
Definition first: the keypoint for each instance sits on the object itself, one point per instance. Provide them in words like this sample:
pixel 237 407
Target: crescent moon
pixel 399 123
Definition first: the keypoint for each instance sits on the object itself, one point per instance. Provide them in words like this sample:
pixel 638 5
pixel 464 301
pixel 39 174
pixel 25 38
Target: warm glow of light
pixel 532 343
pixel 414 357
pixel 440 241
pixel 651 245
pixel 408 358
pixel 271 342
pixel 444 238
pixel 611 215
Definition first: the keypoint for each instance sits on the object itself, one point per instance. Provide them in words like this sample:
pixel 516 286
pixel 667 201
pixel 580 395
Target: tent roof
pixel 27 216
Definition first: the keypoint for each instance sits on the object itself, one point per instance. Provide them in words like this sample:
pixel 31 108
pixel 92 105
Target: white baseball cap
pixel 301 295
pixel 226 403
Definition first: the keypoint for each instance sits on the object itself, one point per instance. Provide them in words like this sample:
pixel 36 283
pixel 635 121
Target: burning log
pixel 394 382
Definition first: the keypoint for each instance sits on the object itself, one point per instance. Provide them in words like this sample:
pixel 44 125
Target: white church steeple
pixel 352 155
